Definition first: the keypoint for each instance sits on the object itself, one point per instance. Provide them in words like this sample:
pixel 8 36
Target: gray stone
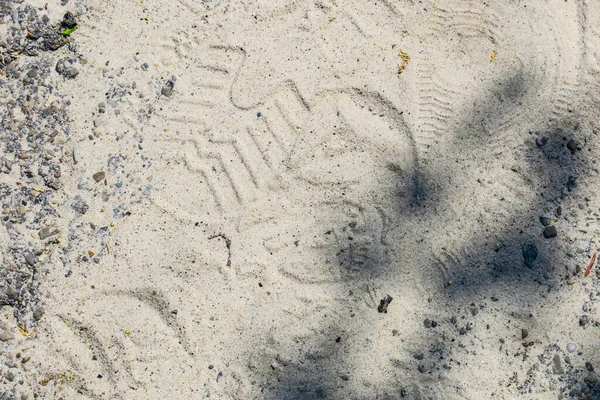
pixel 30 258
pixel 39 313
pixel 545 220
pixel 6 336
pixel 167 89
pixel 46 232
pixel 557 367
pixel 571 347
pixel 591 379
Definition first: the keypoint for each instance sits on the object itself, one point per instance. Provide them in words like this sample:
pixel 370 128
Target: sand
pixel 273 169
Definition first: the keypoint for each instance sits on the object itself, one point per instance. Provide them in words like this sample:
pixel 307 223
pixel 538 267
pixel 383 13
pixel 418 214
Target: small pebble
pixel 167 89
pixel 557 367
pixel 550 232
pixel 572 145
pixel 571 347
pixel 46 232
pixel 98 176
pixel 39 313
pixel 6 336
pixel 30 258
pixel 591 379
pixel 69 20
pixel 524 333
pixel 545 221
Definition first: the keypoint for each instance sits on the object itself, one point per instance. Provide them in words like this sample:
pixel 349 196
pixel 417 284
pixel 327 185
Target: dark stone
pixel 589 366
pixel 427 323
pixel 99 176
pixel 167 89
pixel 545 220
pixel 524 333
pixel 550 232
pixel 384 303
pixel 530 253
pixel 419 356
pixel 69 20
pixel 572 145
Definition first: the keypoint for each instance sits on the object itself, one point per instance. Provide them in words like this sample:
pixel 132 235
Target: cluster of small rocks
pixel 33 129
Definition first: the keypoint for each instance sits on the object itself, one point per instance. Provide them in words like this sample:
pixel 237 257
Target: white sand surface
pixel 312 158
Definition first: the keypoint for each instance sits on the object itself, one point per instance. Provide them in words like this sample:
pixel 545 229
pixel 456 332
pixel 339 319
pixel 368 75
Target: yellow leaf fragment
pixel 405 60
